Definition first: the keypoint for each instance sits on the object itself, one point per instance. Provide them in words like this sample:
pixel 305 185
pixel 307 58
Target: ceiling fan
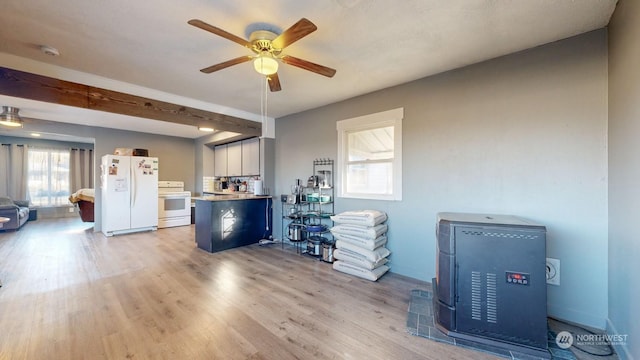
pixel 267 47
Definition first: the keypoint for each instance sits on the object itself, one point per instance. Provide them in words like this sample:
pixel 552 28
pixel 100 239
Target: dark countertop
pixel 232 196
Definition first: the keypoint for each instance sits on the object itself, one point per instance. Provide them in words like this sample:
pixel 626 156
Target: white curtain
pixel 81 169
pixel 13 171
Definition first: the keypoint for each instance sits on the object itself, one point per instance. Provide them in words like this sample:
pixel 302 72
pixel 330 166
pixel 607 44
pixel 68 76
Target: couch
pixel 16 211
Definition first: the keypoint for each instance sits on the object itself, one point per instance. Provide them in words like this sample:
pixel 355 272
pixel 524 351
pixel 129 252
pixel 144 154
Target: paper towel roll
pixel 257 188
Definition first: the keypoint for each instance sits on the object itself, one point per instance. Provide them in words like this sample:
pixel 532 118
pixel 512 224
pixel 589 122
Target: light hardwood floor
pixel 70 293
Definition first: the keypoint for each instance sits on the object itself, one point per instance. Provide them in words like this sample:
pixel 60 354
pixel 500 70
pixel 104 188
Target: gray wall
pixel 624 174
pixel 523 134
pixel 267 165
pixel 176 155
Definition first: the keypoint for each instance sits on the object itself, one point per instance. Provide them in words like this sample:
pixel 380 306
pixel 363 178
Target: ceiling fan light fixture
pixel 10 117
pixel 265 64
pixel 267 45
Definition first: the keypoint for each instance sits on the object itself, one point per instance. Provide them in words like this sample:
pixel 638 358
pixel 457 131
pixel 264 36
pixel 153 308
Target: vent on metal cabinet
pixel 492 298
pixel 476 295
pixel 506 337
pixel 473 233
pixel 508 235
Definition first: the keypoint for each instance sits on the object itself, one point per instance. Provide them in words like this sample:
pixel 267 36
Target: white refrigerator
pixel 129 194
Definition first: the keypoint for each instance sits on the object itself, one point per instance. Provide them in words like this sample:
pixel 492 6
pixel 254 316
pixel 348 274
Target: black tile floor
pixel 420 323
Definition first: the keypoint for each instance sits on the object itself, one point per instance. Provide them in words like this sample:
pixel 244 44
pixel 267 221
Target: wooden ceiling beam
pixel 42 88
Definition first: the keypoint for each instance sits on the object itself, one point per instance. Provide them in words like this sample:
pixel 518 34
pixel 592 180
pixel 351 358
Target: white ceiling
pixel 371 44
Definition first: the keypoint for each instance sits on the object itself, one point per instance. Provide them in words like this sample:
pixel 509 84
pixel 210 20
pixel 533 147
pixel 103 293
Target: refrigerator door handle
pixel 133 187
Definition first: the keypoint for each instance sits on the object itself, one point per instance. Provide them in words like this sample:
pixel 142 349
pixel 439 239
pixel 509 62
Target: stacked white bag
pixel 360 241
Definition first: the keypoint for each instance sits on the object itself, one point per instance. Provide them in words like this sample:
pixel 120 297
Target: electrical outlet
pixel 70 209
pixel 553 271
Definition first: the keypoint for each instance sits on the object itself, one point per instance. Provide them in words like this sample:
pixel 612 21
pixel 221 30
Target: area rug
pixel 420 323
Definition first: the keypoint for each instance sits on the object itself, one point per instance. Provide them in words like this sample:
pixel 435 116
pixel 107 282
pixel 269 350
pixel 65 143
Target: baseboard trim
pixel 621 349
pixel 576 317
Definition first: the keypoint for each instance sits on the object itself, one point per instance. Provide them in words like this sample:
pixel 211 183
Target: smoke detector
pixel 49 50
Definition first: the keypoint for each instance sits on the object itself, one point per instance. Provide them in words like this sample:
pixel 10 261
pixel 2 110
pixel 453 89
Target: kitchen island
pixel 232 220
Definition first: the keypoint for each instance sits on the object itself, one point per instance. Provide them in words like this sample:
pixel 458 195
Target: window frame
pixel 382 119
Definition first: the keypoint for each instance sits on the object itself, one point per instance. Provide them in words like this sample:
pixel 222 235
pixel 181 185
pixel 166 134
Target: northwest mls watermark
pixel 565 339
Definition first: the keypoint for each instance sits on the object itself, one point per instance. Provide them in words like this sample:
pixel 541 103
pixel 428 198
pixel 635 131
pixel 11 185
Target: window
pixel 48 178
pixel 370 156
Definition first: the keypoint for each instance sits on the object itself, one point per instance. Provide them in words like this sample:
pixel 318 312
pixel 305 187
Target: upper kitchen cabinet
pixel 234 159
pixel 251 157
pixel 240 158
pixel 220 160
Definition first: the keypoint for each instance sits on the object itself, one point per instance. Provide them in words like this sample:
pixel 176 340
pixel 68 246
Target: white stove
pixel 174 204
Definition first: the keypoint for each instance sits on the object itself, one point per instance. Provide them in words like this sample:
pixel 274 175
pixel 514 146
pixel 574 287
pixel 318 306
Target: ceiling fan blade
pixel 215 30
pixel 226 64
pixel 274 82
pixel 296 32
pixel 308 65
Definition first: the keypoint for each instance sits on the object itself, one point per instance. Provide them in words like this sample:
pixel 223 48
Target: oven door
pixel 174 209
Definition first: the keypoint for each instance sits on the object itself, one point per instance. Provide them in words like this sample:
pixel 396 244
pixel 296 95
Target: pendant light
pixel 10 117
